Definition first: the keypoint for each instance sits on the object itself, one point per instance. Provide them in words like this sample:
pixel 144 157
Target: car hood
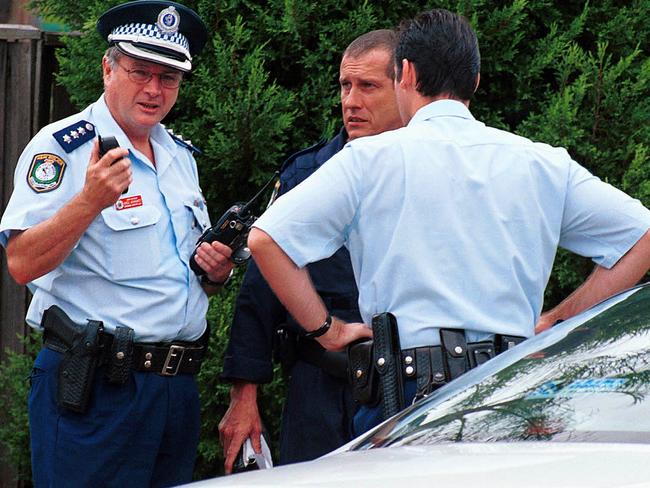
pixel 534 464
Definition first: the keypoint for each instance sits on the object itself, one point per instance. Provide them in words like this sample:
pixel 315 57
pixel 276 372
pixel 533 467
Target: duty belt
pixel 166 359
pixel 433 366
pixel 430 366
pixel 85 347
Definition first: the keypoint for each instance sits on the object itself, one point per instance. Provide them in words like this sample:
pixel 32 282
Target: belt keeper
pixel 121 356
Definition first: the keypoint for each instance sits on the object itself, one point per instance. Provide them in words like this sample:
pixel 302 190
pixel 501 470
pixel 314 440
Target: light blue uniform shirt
pixel 451 223
pixel 130 267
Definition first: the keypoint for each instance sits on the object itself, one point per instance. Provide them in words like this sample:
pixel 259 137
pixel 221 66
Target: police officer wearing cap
pixel 103 243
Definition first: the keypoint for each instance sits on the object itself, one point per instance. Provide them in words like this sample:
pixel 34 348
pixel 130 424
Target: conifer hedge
pixel 569 73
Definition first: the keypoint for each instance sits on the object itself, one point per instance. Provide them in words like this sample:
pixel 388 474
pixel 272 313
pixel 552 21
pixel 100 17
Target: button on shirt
pixel 451 223
pixel 130 267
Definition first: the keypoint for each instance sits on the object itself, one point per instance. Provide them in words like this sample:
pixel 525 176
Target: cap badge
pixel 168 20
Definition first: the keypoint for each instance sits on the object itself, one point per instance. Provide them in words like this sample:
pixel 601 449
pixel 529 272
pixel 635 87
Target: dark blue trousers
pixel 368 417
pixel 140 434
pixel 317 414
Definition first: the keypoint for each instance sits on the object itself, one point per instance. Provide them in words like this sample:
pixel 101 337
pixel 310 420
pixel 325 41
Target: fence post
pixel 27 66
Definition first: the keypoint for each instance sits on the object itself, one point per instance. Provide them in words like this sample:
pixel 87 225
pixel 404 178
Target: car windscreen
pixel 591 385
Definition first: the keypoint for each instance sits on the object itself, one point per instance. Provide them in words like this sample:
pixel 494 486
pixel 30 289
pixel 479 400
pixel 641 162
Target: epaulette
pixel 187 144
pixel 313 148
pixel 75 135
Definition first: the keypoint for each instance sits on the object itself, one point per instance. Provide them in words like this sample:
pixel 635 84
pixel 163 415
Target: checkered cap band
pixel 152 31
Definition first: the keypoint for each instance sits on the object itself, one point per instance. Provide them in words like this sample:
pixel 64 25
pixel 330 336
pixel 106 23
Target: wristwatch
pixel 207 281
pixel 322 330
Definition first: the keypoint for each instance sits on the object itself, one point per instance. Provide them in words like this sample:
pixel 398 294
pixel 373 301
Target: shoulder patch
pixel 75 135
pixel 178 139
pixel 45 173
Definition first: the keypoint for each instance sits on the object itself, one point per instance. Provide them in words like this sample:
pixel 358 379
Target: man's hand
pixel 106 177
pixel 214 259
pixel 341 334
pixel 40 249
pixel 546 321
pixel 241 421
pixel 602 283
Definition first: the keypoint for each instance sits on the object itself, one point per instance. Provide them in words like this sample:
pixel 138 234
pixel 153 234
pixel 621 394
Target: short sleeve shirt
pixel 451 223
pixel 130 267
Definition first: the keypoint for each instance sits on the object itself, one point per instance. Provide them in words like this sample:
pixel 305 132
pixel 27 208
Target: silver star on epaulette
pixel 67 139
pixel 74 134
pixel 81 131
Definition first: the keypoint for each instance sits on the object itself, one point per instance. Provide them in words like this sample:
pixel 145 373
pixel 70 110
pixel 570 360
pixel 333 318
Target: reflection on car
pixel 569 407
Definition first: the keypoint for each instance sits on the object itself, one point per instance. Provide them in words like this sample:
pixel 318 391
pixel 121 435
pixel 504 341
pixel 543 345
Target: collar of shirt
pixel 442 108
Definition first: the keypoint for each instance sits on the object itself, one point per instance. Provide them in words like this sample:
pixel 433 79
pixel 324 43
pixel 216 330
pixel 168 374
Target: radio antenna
pixel 244 209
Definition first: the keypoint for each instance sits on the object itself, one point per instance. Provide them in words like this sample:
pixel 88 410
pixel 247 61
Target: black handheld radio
pixel 106 144
pixel 232 230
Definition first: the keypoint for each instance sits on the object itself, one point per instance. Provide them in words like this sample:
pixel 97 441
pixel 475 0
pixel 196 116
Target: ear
pixel 106 68
pixel 409 79
pixel 478 81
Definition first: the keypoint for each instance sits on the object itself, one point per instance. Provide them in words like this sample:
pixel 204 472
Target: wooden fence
pixel 29 100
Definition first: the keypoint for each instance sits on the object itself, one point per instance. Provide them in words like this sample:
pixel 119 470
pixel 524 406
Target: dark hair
pixel 444 50
pixel 383 39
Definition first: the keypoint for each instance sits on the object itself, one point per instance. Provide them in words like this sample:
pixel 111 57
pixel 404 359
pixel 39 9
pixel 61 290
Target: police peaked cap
pixel 159 31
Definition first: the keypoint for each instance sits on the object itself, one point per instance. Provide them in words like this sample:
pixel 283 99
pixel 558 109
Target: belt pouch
pixel 455 346
pixel 77 369
pixel 121 356
pixel 387 357
pixel 365 390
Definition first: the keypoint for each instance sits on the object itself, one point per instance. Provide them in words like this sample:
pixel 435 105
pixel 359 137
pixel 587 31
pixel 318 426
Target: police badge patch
pixel 45 173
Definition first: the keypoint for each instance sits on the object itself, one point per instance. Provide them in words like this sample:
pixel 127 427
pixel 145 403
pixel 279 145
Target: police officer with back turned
pixel 103 242
pixel 452 228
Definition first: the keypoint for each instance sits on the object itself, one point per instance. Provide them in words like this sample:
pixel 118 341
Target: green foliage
pixel 574 74
pixel 14 389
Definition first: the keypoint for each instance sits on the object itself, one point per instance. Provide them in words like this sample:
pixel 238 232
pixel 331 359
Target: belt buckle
pixel 173 360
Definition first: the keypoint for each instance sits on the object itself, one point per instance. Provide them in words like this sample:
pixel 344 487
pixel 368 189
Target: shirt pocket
pixel 198 221
pixel 133 244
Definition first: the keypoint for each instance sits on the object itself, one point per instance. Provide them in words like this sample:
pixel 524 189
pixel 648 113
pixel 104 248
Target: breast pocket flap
pixel 134 218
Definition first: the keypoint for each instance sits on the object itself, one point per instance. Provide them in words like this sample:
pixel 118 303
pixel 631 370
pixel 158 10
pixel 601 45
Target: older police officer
pixel 106 239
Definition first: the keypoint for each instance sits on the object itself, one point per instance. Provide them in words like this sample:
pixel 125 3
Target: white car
pixel 567 408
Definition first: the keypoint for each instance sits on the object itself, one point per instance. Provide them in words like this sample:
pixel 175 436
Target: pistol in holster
pixel 375 367
pixel 80 348
pixel 83 349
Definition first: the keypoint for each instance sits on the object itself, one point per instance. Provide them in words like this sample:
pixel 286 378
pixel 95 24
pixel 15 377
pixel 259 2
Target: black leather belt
pixel 167 359
pixel 433 366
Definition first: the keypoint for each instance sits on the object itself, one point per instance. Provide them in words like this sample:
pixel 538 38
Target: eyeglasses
pixel 141 76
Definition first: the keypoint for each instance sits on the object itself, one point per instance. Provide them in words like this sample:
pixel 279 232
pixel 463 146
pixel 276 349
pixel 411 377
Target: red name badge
pixel 129 202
